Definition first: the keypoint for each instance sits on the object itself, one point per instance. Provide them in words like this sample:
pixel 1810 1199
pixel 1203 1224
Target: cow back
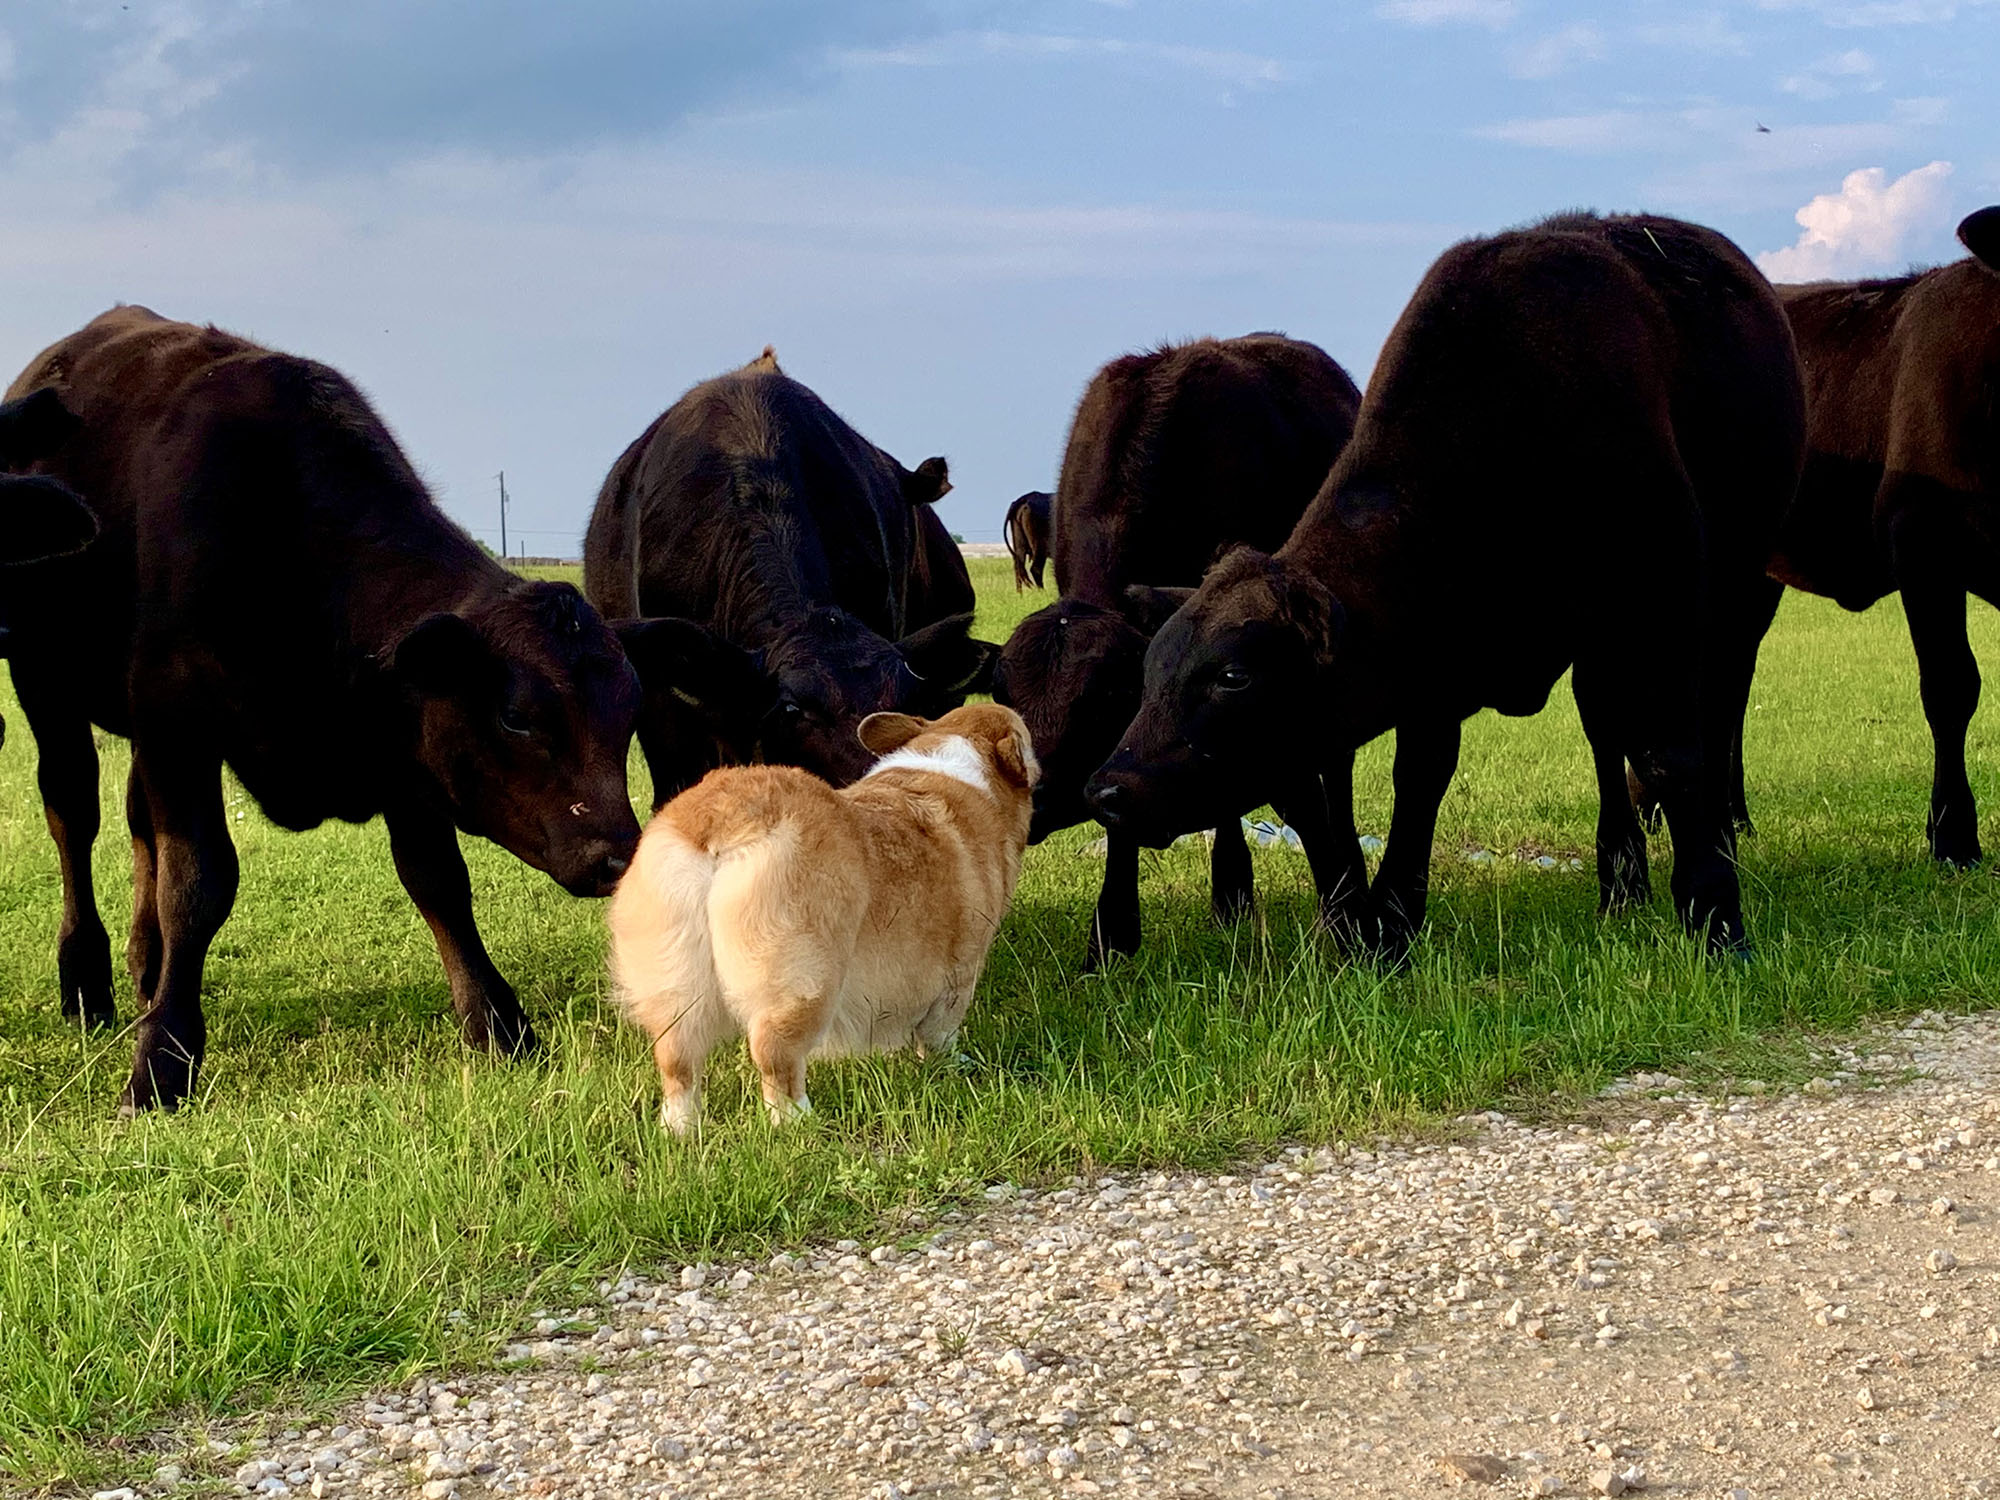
pixel 1177 453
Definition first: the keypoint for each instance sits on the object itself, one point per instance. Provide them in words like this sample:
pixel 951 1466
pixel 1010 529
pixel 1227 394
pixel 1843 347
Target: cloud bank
pixel 1865 227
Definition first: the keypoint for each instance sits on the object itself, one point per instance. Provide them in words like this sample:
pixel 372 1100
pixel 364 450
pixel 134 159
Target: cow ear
pixel 40 518
pixel 1311 607
pixel 442 653
pixel 947 660
pixel 929 483
pixel 1148 608
pixel 884 734
pixel 1980 233
pixel 698 668
pixel 34 427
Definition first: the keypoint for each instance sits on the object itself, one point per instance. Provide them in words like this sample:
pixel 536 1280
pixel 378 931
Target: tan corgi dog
pixel 763 902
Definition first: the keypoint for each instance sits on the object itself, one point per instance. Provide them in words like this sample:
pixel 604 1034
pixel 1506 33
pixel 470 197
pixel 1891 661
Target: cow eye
pixel 792 711
pixel 515 722
pixel 1233 678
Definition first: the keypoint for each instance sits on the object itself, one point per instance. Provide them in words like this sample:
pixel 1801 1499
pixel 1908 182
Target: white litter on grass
pixel 1269 833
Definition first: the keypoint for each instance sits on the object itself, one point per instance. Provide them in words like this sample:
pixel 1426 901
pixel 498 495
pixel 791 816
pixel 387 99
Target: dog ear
pixel 1016 759
pixel 1148 608
pixel 884 734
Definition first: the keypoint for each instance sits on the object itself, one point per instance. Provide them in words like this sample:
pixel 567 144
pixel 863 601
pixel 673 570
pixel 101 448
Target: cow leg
pixel 194 887
pixel 1321 809
pixel 1623 878
pixel 66 770
pixel 1114 926
pixel 143 948
pixel 1948 678
pixel 1426 757
pixel 1232 890
pixel 1737 655
pixel 1663 708
pixel 425 847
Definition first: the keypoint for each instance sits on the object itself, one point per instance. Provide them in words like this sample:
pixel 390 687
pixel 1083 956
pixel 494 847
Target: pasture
pixel 352 1196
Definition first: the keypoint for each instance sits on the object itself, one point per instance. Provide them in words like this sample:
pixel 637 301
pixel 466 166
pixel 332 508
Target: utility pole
pixel 503 512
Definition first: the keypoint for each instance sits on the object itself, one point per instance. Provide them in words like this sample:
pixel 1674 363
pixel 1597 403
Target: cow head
pixel 523 708
pixel 1072 671
pixel 1229 679
pixel 1980 233
pixel 798 700
pixel 40 518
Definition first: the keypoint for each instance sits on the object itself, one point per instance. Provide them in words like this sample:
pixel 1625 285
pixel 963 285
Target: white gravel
pixel 1768 1295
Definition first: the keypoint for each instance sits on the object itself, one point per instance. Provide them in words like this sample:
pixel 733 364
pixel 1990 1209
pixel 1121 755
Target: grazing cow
pixel 765 555
pixel 1026 528
pixel 1609 405
pixel 39 519
pixel 1902 478
pixel 1174 456
pixel 273 589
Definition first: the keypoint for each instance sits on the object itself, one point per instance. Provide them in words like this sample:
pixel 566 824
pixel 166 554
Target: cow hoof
pixel 1957 856
pixel 90 1011
pixel 1232 909
pixel 155 1084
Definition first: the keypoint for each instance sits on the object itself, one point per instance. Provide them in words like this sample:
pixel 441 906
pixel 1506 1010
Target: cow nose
pixel 1109 802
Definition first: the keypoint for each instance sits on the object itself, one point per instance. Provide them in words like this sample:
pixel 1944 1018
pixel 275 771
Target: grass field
pixel 353 1196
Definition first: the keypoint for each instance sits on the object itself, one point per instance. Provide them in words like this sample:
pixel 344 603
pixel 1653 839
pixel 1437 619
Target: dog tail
pixel 662 955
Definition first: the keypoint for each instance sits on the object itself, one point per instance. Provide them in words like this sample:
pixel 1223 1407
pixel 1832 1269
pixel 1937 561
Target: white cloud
pixel 1865 226
pixel 1608 132
pixel 1234 69
pixel 1708 32
pixel 1557 52
pixel 1852 71
pixel 1490 13
pixel 1863 13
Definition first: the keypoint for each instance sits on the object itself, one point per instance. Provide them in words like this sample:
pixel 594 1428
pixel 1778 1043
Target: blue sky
pixel 526 228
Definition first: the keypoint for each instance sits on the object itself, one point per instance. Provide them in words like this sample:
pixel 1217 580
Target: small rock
pixel 328 1459
pixel 440 1489
pixel 1883 1197
pixel 1607 1482
pixel 1865 1399
pixel 1015 1364
pixel 1940 1261
pixel 1065 1460
pixel 167 1475
pixel 1544 1484
pixel 1473 1468
pixel 121 1493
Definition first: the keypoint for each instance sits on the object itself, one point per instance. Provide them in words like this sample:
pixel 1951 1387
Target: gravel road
pixel 1767 1295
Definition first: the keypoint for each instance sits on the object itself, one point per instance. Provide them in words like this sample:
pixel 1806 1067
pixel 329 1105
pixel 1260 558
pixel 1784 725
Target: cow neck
pixel 765 581
pixel 418 574
pixel 1374 568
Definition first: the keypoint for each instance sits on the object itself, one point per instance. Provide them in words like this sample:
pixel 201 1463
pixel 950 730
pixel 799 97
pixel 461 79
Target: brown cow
pixel 1612 402
pixel 1174 455
pixel 1902 479
pixel 1026 528
pixel 273 589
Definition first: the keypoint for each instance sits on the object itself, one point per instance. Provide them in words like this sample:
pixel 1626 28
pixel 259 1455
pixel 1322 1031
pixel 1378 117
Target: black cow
pixel 1026 528
pixel 39 519
pixel 1902 479
pixel 763 552
pixel 274 589
pixel 1173 456
pixel 1609 404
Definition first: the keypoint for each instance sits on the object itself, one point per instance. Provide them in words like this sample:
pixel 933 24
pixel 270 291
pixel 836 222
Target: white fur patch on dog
pixel 957 758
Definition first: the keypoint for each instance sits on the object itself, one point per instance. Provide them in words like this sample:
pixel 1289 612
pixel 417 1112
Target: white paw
pixel 783 1111
pixel 682 1116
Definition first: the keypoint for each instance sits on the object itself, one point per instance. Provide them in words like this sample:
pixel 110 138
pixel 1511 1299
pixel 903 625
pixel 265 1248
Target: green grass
pixel 353 1197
